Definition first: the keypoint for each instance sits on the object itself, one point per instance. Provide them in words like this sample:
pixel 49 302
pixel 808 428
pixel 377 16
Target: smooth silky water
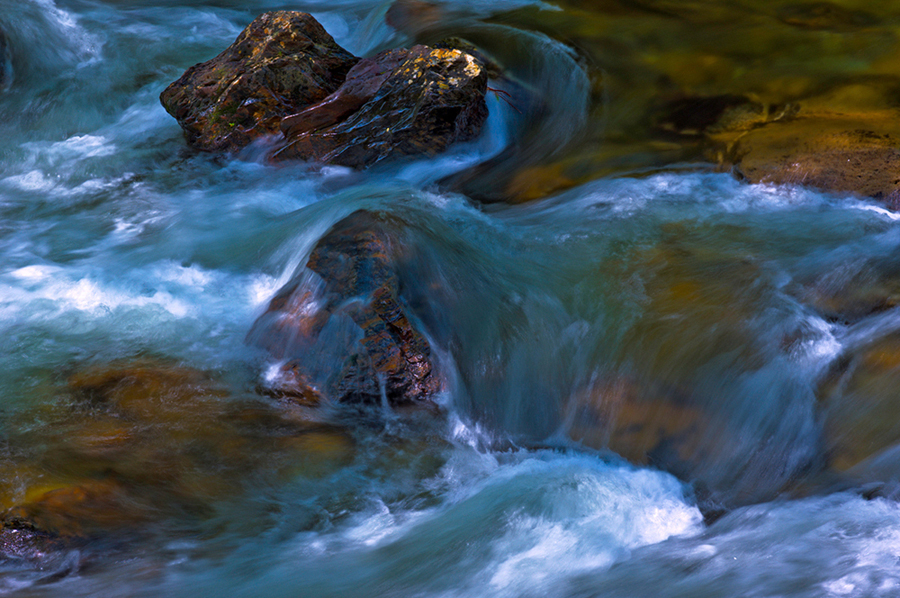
pixel 119 244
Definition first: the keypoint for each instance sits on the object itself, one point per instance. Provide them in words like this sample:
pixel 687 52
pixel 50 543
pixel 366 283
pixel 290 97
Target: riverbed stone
pixel 132 446
pixel 851 289
pixel 350 312
pixel 400 102
pixel 646 423
pixel 281 63
pixel 846 140
pixel 860 402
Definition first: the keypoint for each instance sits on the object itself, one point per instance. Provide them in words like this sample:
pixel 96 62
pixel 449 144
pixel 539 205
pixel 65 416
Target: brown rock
pixel 860 403
pixel 837 155
pixel 78 511
pixel 149 390
pixel 846 141
pixel 824 16
pixel 383 354
pixel 644 423
pixel 282 62
pixel 398 103
pixel 852 289
pixel 132 447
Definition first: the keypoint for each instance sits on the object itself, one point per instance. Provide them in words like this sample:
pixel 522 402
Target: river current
pixel 119 242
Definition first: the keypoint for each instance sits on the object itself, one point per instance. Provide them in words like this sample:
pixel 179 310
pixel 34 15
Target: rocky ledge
pixel 286 79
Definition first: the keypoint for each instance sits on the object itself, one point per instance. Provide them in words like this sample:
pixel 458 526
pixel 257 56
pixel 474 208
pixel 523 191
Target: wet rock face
pixel 400 102
pixel 350 314
pixel 284 73
pixel 282 62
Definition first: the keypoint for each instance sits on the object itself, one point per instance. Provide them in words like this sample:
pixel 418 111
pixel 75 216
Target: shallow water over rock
pixel 653 377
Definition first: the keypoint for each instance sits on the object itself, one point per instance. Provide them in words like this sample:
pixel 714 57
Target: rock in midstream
pixel 285 77
pixel 346 309
pixel 282 62
pixel 400 102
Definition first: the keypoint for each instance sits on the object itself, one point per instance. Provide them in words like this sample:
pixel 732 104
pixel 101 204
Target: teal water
pixel 118 242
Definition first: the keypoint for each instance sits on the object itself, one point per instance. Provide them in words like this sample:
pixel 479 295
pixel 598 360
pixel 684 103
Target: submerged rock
pixel 136 449
pixel 400 102
pixel 284 73
pixel 825 16
pixel 846 140
pixel 350 313
pixel 852 289
pixel 647 424
pixel 860 402
pixel 282 62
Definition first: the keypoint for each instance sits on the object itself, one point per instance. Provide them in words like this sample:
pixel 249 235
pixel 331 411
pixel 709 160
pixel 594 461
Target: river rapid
pixel 119 243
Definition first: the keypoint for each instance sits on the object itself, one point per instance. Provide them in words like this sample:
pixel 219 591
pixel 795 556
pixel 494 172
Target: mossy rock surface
pixel 398 103
pixel 282 62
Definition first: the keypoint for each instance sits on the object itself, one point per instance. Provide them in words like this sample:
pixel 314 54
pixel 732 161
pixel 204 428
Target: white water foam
pixel 510 524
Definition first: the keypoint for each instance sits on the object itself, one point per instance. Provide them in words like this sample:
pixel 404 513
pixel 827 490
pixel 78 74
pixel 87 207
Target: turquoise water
pixel 118 242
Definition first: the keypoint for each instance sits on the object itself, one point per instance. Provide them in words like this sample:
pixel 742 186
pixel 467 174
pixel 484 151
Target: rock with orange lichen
pixel 400 102
pixel 282 62
pixel 284 73
pixel 350 312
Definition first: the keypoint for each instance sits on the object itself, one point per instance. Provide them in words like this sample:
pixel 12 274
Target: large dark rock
pixel 400 102
pixel 282 62
pixel 284 73
pixel 350 314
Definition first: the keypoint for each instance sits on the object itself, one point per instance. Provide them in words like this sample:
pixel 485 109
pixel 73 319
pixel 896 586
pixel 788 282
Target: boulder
pixel 850 290
pixel 282 62
pixel 646 423
pixel 348 311
pixel 400 102
pixel 285 77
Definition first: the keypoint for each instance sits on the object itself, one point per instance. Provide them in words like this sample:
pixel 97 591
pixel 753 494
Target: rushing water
pixel 120 244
